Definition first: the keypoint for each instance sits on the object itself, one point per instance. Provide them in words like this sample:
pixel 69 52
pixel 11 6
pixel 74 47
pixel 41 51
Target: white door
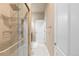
pixel 39 26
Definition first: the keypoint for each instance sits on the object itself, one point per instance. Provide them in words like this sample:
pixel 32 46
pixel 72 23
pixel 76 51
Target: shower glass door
pixel 13 29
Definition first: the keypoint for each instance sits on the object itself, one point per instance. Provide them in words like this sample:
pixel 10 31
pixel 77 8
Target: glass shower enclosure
pixel 13 29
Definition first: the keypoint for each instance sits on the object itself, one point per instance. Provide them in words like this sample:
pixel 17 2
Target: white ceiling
pixel 38 7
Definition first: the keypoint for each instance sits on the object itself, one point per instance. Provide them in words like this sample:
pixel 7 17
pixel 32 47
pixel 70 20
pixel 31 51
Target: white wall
pixel 74 12
pixel 38 16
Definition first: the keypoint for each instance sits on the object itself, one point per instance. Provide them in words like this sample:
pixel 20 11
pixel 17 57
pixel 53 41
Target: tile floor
pixel 39 49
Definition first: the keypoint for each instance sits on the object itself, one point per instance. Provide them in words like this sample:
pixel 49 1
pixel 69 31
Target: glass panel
pixel 23 30
pixel 13 38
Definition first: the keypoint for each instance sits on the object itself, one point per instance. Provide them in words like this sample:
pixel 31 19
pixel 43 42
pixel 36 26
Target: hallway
pixel 39 47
